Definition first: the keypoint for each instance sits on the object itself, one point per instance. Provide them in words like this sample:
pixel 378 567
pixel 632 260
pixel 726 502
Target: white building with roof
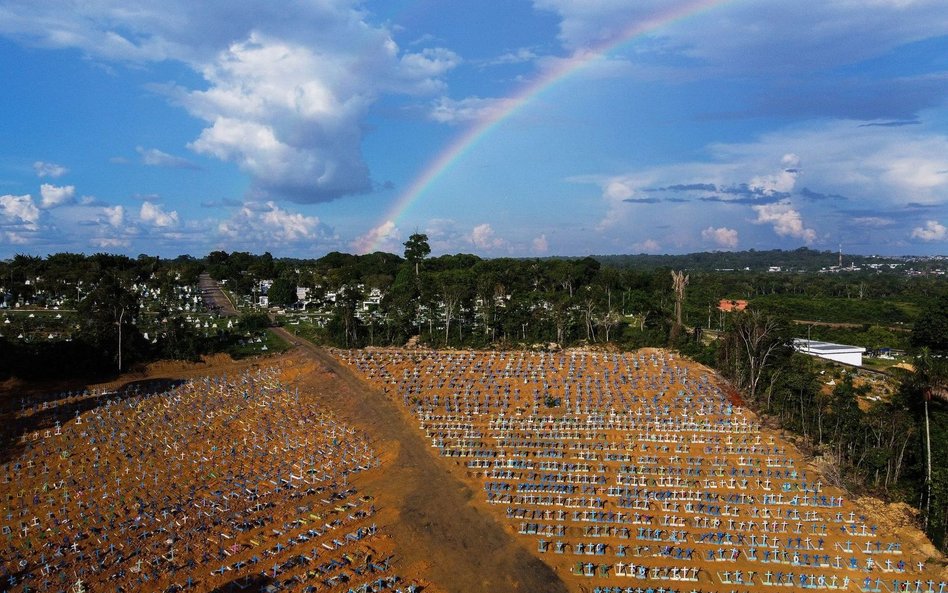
pixel 830 351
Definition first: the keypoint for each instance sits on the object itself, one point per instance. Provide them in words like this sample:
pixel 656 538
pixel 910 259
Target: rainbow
pixel 564 68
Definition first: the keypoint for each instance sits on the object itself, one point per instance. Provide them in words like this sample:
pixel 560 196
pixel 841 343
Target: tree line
pixel 869 441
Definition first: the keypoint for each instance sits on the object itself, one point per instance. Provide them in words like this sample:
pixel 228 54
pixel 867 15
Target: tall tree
pixel 755 339
pixel 679 282
pixel 456 287
pixel 345 319
pixel 282 292
pixel 931 329
pixel 417 249
pixel 589 303
pixel 107 315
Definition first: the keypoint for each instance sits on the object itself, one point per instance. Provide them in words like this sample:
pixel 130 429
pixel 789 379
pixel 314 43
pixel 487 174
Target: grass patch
pixel 880 364
pixel 308 330
pixel 269 343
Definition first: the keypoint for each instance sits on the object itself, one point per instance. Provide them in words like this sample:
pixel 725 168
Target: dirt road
pixel 461 547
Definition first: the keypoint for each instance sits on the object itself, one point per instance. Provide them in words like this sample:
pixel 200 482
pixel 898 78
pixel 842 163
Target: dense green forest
pixel 870 439
pixel 803 259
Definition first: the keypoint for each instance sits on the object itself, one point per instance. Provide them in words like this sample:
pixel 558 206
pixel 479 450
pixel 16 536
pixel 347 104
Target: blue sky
pixel 304 127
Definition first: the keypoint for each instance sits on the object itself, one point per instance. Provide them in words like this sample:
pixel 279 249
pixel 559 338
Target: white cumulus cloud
pixel 782 181
pixel 19 210
pixel 53 196
pixel 157 158
pixel 786 221
pixel 384 237
pixel 618 189
pixel 450 111
pixel 483 237
pixel 154 215
pixel 540 244
pixel 521 55
pixel 290 114
pixel 109 242
pixel 647 246
pixel 445 236
pixel 15 238
pixel 114 215
pixel 285 115
pixel 51 170
pixel 932 231
pixel 722 236
pixel 256 222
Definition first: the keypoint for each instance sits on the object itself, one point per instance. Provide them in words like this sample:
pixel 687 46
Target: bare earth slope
pixel 463 548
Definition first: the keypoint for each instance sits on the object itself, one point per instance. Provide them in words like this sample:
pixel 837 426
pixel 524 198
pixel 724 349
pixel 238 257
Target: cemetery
pixel 634 472
pixel 218 483
pixel 641 472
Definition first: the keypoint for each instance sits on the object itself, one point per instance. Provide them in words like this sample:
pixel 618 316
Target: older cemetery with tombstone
pixel 641 472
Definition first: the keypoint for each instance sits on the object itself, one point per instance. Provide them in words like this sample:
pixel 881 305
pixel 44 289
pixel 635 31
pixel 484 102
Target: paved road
pixel 465 547
pixel 214 298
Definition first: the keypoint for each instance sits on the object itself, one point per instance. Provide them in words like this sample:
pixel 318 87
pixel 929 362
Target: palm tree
pixel 930 379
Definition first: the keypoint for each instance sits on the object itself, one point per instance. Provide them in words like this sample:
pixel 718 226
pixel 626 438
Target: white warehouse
pixel 830 351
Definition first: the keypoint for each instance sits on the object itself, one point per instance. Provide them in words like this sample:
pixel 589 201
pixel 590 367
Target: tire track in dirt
pixel 463 548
